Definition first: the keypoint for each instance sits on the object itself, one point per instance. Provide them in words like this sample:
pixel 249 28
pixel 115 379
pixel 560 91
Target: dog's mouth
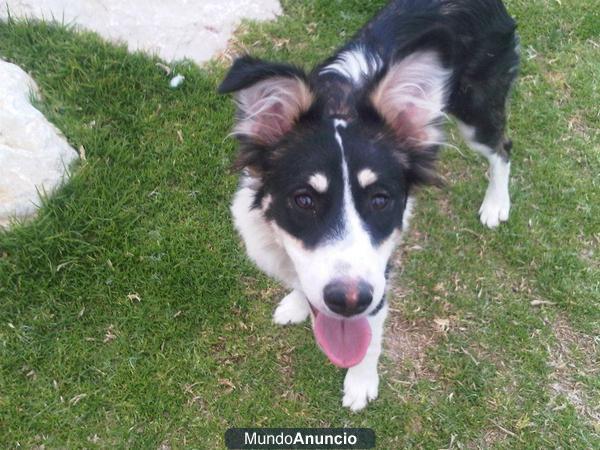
pixel 344 341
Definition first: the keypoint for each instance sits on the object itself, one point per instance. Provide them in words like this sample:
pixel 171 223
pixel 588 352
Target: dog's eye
pixel 304 200
pixel 380 201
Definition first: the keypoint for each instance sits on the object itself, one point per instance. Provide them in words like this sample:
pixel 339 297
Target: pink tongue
pixel 345 342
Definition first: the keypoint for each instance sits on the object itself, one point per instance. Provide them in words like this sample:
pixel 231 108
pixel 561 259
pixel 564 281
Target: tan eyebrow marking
pixel 366 177
pixel 319 182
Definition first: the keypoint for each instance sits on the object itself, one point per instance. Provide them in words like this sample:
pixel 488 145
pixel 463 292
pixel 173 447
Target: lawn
pixel 130 317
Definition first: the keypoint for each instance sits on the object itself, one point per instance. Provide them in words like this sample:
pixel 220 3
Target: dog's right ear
pixel 270 98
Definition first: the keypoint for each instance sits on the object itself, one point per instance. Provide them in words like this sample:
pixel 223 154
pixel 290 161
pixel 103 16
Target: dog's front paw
pixel 495 208
pixel 359 389
pixel 293 308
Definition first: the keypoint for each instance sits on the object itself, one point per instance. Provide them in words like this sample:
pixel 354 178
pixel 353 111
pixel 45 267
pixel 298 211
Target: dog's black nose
pixel 348 297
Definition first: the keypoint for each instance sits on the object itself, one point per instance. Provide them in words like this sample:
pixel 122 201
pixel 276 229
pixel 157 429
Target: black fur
pixel 474 38
pixel 247 71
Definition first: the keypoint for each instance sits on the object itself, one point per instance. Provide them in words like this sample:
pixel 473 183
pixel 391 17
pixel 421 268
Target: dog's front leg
pixel 294 308
pixel 361 384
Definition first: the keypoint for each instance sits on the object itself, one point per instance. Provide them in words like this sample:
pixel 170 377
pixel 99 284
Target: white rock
pixel 172 29
pixel 34 156
pixel 176 81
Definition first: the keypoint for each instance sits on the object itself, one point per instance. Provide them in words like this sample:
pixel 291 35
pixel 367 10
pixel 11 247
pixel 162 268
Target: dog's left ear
pixel 411 97
pixel 271 98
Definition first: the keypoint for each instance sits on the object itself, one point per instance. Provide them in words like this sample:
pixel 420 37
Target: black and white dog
pixel 329 160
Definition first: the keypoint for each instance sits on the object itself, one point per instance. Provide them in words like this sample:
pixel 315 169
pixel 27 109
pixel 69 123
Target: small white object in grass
pixel 176 81
pixel 164 67
pixel 542 303
pixel 134 297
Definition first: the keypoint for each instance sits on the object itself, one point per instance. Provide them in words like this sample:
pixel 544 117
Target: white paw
pixel 293 308
pixel 359 389
pixel 495 208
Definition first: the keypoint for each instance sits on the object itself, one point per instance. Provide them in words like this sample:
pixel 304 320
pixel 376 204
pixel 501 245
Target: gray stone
pixel 34 156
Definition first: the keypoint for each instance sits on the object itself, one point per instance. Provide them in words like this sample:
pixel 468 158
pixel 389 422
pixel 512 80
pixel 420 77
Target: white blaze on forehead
pixel 355 231
pixel 319 182
pixel 351 219
pixel 366 177
pixel 339 123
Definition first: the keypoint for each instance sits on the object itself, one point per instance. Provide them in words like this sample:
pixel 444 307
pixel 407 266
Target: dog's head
pixel 335 189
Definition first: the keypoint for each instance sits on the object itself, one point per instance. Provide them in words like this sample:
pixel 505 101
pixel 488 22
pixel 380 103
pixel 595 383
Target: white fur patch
pixel 319 182
pixel 292 309
pixel 496 203
pixel 361 384
pixel 366 177
pixel 260 241
pixel 339 123
pixel 408 212
pixel 266 203
pixel 468 134
pixel 356 65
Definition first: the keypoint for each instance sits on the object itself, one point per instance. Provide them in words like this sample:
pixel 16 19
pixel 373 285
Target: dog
pixel 330 160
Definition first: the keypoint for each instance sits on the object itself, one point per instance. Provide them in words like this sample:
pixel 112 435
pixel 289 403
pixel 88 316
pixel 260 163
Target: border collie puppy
pixel 329 160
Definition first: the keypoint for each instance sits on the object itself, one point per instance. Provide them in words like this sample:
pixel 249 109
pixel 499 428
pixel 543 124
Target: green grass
pixel 83 365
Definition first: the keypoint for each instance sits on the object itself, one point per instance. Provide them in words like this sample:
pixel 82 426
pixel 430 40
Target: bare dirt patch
pixel 489 439
pixel 591 248
pixel 574 356
pixel 406 343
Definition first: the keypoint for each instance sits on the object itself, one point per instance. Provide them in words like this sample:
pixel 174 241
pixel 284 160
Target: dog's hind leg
pixel 495 207
pixel 361 384
pixel 479 102
pixel 480 107
pixel 294 308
